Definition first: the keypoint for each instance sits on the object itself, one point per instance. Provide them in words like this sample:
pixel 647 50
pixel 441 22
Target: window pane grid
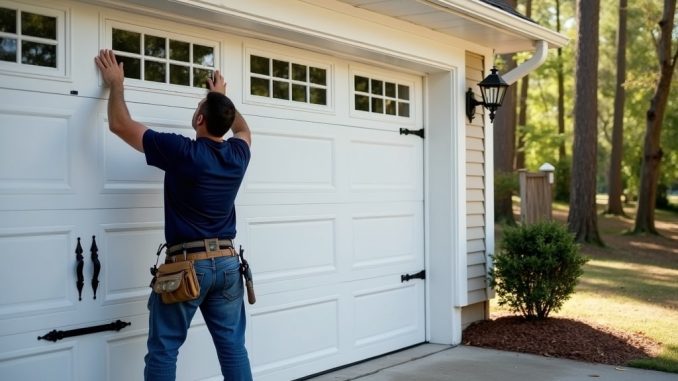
pixel 285 80
pixel 164 60
pixel 29 38
pixel 381 97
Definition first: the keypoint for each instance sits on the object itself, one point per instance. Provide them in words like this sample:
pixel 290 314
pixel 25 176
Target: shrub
pixel 536 269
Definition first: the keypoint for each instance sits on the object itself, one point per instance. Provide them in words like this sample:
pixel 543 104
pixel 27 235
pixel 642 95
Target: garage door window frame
pixel 165 59
pixel 397 98
pixel 308 83
pixel 59 42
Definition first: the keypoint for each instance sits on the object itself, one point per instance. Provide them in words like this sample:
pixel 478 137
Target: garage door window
pixel 286 80
pixel 381 97
pixel 156 57
pixel 30 37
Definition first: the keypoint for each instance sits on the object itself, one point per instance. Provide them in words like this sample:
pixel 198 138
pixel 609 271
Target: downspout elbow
pixel 537 59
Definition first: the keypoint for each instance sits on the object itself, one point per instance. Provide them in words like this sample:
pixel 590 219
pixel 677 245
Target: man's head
pixel 216 112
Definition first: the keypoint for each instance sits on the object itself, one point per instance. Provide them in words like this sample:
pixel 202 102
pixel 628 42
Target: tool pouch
pixel 176 282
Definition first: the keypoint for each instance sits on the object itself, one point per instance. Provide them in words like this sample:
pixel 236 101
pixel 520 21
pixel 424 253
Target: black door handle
pixel 55 335
pixel 97 266
pixel 80 282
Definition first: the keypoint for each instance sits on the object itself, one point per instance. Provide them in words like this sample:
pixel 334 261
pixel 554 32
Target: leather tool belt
pixel 230 252
pixel 210 244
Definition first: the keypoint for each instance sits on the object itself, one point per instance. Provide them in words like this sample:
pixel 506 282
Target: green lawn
pixel 631 284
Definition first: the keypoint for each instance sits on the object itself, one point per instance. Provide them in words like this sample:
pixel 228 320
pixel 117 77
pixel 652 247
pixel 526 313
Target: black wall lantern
pixel 493 89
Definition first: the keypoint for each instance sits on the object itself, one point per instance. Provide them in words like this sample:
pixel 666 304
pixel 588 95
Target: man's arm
pixel 239 127
pixel 119 120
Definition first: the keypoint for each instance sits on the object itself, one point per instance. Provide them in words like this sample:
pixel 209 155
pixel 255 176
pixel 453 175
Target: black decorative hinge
pixel 406 277
pixel 55 335
pixel 419 133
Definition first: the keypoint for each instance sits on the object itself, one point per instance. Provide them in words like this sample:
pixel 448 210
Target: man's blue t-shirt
pixel 202 178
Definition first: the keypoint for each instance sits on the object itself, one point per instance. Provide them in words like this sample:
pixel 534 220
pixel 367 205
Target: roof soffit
pixel 479 21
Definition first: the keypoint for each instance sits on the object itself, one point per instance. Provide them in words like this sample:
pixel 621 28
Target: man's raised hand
pixel 217 84
pixel 111 72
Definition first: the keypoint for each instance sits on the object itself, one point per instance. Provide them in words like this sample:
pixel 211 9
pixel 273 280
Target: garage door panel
pixel 39 362
pixel 127 252
pixel 292 246
pixel 298 162
pixel 44 164
pixel 386 239
pixel 293 330
pixel 381 239
pixel 395 304
pixel 291 162
pixel 44 253
pixel 40 133
pixel 383 165
pixel 125 356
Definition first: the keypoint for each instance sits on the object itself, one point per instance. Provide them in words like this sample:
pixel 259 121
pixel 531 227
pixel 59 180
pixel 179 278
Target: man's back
pixel 202 178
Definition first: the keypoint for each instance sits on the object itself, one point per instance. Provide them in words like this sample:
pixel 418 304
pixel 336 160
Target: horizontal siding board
pixel 474 63
pixel 476 131
pixel 475 169
pixel 474 143
pixel 473 75
pixel 476 296
pixel 474 271
pixel 475 220
pixel 474 284
pixel 475 245
pixel 476 258
pixel 473 313
pixel 475 207
pixel 474 182
pixel 475 233
pixel 475 195
pixel 475 157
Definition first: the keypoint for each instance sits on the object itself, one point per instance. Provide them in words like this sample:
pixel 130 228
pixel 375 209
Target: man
pixel 202 178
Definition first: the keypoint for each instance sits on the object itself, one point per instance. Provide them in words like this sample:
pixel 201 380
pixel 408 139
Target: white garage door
pixel 330 212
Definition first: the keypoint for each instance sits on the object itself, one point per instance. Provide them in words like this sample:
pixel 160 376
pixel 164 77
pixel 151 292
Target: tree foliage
pixel 541 130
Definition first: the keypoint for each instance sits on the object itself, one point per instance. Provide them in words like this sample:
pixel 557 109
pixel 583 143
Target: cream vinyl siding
pixel 475 189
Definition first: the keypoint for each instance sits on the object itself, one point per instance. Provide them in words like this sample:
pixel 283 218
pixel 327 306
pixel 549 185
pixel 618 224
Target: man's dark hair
pixel 218 112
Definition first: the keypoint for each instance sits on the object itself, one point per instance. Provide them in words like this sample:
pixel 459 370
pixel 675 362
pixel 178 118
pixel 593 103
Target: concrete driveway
pixel 432 362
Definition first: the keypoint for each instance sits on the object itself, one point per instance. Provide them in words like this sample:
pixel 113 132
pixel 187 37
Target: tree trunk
pixel 504 134
pixel 614 203
pixel 522 114
pixel 582 218
pixel 652 154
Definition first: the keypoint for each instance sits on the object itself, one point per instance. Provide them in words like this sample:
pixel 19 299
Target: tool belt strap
pixel 230 252
pixel 211 244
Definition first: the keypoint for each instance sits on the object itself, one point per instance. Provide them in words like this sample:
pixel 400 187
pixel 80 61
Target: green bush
pixel 536 269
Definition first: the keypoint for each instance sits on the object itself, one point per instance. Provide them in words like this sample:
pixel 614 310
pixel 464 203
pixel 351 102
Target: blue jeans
pixel 222 306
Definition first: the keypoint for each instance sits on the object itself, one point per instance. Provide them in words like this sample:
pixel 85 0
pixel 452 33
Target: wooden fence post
pixel 535 196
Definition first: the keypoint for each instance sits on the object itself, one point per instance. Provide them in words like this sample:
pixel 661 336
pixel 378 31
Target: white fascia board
pixel 492 16
pixel 323 24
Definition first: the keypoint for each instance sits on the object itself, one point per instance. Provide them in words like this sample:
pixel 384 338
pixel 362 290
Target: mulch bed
pixel 561 337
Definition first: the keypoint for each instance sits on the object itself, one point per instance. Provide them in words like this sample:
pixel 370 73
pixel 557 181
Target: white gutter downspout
pixel 540 54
